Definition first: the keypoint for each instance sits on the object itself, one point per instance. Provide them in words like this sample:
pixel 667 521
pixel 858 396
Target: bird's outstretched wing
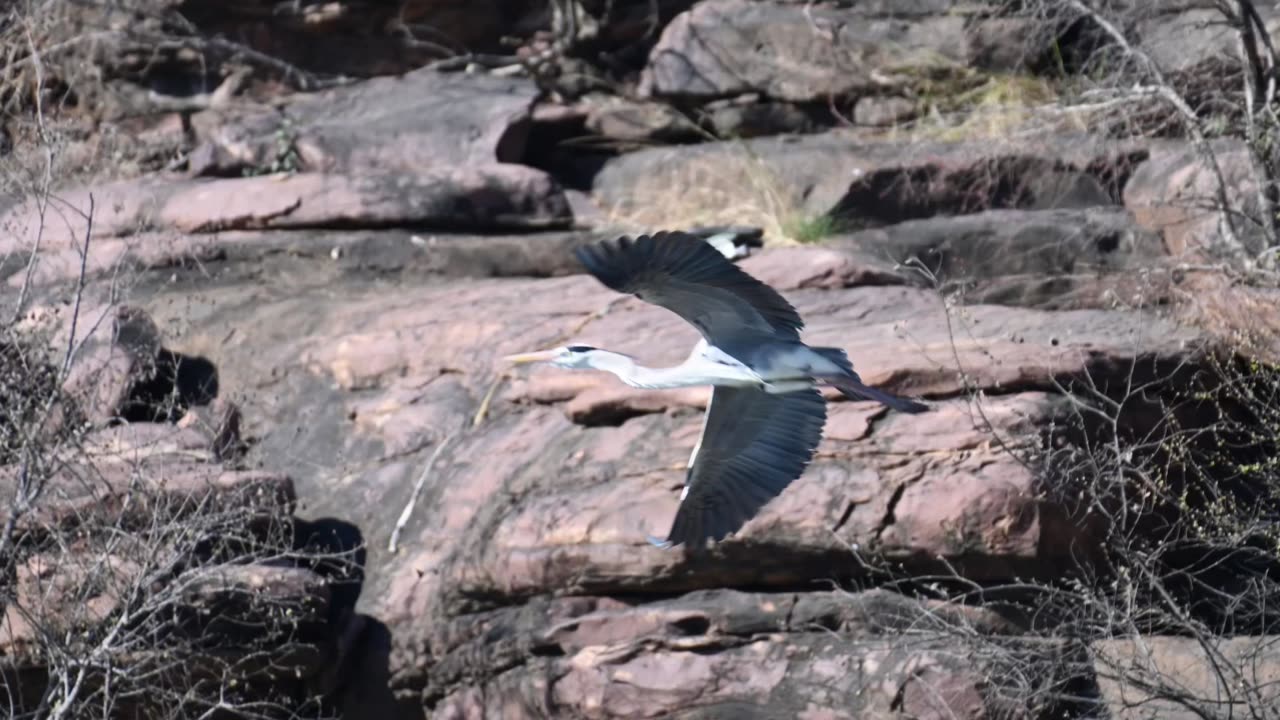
pixel 753 446
pixel 687 276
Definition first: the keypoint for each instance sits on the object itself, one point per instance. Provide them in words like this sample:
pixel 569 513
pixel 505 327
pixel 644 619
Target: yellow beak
pixel 533 357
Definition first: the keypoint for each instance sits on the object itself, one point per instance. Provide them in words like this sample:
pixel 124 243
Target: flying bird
pixel 766 415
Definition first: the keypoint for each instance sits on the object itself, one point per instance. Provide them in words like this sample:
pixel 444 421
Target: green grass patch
pixel 809 229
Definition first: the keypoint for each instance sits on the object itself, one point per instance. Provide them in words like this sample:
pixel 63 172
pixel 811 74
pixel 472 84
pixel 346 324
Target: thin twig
pixel 1161 88
pixel 417 489
pixel 42 207
pixel 80 280
pixel 55 48
pixel 42 198
pixel 1259 83
pixel 304 80
pixel 487 400
pixel 461 62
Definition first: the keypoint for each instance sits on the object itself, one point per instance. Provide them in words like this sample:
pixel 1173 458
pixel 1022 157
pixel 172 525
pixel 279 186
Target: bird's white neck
pixel 693 372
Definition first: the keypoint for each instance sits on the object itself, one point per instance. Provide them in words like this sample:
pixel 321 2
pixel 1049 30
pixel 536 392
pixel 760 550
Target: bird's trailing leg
pixel 787 386
pixel 666 544
pixel 854 389
pixel 657 542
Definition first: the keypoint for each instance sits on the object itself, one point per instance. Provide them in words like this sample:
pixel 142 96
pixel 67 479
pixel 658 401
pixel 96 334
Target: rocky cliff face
pixel 326 276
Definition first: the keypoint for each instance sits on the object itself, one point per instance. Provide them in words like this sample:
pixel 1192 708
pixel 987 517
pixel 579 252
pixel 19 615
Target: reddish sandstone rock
pixel 551 479
pixel 1176 193
pixel 475 196
pixel 724 48
pixel 819 654
pixel 1182 678
pixel 419 120
pixel 874 184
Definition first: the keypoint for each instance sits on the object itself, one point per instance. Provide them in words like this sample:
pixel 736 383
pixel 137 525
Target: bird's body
pixel 705 366
pixel 766 414
pixel 774 367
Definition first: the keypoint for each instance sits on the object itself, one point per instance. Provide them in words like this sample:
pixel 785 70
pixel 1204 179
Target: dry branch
pixel 407 513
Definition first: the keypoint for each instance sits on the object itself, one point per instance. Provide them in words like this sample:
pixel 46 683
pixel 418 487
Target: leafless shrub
pixel 137 574
pixel 1192 70
pixel 1166 468
pixel 80 78
pixel 141 575
pixel 1167 471
pixel 143 572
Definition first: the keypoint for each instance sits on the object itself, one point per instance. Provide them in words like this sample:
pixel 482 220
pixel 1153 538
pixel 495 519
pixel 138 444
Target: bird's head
pixel 568 356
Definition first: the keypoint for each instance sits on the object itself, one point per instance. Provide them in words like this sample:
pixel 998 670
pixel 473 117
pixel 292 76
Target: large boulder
pixel 239 253
pixel 732 654
pixel 1203 201
pixel 1180 678
pixel 787 52
pixel 480 197
pixel 1192 41
pixel 151 221
pixel 1049 259
pixel 547 482
pixel 860 183
pixel 157 55
pixel 1033 347
pixel 405 124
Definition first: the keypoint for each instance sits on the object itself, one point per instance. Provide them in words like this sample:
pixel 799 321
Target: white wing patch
pixel 693 456
pixel 711 353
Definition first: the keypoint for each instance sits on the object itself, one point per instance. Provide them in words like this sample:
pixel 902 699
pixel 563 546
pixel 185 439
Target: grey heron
pixel 766 414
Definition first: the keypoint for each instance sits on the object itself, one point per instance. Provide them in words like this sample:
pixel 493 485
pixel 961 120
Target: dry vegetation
pixel 1175 468
pixel 1172 468
pixel 1168 605
pixel 735 188
pixel 140 571
pixel 140 575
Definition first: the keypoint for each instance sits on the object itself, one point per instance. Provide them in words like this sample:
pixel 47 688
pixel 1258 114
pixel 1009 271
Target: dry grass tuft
pixel 735 188
pixel 993 107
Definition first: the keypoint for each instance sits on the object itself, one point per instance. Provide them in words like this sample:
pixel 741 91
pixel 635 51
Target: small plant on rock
pixel 809 229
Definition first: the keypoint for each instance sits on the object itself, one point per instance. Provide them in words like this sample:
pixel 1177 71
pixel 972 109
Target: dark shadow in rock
pixel 1195 419
pixel 561 146
pixel 893 195
pixel 366 685
pixel 195 377
pixel 337 552
pixel 177 383
pixel 1077 43
pixel 357 682
pixel 1114 171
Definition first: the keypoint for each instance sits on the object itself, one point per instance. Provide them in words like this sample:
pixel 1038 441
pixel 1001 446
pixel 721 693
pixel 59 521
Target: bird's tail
pixel 851 386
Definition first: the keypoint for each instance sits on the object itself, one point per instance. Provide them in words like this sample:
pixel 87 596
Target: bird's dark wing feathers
pixel 753 446
pixel 687 276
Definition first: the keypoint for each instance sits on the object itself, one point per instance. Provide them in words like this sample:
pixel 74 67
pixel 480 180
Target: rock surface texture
pixel 321 286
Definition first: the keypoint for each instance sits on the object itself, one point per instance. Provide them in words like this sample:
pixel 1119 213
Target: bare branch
pixel 407 513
